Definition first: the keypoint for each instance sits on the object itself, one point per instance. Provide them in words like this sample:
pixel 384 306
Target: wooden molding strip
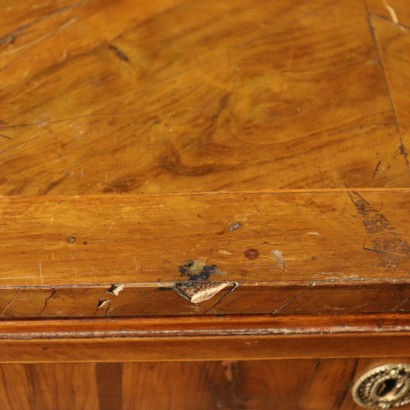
pixel 206 338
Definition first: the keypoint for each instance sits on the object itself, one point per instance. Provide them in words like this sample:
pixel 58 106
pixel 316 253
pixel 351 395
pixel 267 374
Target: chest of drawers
pixel 204 204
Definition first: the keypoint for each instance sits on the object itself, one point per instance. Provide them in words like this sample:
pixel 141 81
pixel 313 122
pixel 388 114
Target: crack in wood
pixel 53 291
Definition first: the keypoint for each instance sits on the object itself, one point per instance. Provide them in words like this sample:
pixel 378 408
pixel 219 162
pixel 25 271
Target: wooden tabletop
pixel 122 97
pixel 193 157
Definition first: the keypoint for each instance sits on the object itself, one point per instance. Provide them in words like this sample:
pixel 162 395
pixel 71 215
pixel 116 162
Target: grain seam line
pixel 23 27
pixel 402 147
pixel 343 394
pixel 386 20
pixel 308 385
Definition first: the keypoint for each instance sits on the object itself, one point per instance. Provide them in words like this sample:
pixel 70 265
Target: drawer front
pixel 323 384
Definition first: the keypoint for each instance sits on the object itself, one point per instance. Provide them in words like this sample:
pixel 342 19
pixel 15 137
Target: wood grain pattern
pixel 395 11
pixel 294 252
pixel 102 97
pixel 393 41
pixel 206 181
pixel 204 338
pixel 249 385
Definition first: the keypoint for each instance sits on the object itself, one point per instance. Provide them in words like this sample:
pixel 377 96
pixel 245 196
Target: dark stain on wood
pixel 119 53
pixel 198 270
pixel 376 169
pixel 252 254
pixel 386 242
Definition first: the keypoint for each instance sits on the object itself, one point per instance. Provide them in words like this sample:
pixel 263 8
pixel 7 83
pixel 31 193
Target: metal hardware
pixel 384 387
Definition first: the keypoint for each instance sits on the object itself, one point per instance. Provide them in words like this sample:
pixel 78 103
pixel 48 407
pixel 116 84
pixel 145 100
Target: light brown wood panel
pixel 396 11
pixel 192 188
pixel 172 96
pixel 330 384
pixel 393 42
pixel 229 385
pixel 48 387
pixel 284 252
pixel 250 237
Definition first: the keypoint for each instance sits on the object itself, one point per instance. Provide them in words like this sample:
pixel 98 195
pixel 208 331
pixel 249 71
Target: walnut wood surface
pixel 209 181
pixel 183 96
pixel 205 338
pixel 229 99
pixel 289 252
pixel 230 384
pixel 394 47
pixel 394 12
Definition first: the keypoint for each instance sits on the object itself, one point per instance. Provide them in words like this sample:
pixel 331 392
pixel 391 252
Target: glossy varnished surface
pixel 181 96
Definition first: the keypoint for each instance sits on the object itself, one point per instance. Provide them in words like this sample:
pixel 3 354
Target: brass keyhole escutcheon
pixel 384 387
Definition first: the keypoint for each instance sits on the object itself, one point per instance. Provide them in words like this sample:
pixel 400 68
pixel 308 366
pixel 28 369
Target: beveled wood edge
pixel 48 273
pixel 205 338
pixel 206 326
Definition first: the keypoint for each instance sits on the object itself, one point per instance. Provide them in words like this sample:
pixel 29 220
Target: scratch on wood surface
pixel 376 169
pixel 293 299
pixel 39 39
pixel 334 308
pixel 234 286
pixel 231 228
pixel 11 36
pixel 11 302
pixel 337 275
pixel 119 53
pixel 400 304
pixel 392 12
pixel 224 252
pixel 382 251
pixel 387 243
pixel 277 254
pixel 112 224
pixel 40 269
